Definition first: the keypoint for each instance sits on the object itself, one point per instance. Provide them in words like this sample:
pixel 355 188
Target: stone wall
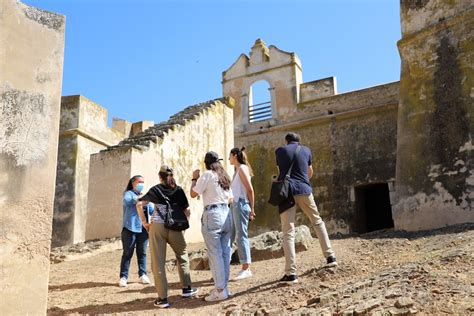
pixel 31 63
pixel 318 89
pixel 83 131
pixel 435 161
pixel 180 142
pixel 355 145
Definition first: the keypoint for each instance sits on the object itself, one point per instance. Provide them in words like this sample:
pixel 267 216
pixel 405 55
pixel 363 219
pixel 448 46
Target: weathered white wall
pixel 31 63
pixel 108 175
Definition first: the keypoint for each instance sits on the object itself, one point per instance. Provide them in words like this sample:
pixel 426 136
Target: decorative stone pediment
pixel 262 58
pixel 259 53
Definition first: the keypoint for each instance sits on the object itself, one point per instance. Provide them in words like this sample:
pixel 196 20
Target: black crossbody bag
pixel 175 218
pixel 281 191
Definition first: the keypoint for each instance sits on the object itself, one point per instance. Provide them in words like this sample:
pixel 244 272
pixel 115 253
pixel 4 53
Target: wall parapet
pixel 350 101
pixel 157 131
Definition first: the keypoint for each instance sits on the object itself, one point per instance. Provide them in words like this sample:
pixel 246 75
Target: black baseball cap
pixel 211 157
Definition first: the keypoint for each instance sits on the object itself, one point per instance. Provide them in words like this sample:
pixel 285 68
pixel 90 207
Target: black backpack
pixel 175 218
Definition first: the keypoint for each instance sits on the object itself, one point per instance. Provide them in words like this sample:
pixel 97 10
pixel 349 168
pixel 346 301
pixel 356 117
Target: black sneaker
pixel 292 278
pixel 331 261
pixel 161 303
pixel 189 291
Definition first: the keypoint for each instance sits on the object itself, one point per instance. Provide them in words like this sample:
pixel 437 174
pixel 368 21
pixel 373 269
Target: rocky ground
pixel 380 273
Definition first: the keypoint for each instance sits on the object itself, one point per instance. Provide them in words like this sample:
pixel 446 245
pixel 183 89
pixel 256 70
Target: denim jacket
pixel 131 220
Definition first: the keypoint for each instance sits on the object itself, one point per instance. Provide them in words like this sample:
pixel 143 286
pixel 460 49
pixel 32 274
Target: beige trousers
pixel 308 205
pixel 159 237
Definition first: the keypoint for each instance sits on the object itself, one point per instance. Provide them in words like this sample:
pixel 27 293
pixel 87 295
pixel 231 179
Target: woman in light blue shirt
pixel 134 231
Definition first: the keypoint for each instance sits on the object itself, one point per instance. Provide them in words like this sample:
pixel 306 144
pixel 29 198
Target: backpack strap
pixel 167 201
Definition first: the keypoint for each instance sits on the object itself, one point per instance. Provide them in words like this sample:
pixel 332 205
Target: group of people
pixel 228 209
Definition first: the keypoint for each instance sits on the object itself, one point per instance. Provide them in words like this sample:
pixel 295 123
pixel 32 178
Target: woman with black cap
pixel 214 186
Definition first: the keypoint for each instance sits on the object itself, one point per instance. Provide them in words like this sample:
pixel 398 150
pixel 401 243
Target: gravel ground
pixel 380 273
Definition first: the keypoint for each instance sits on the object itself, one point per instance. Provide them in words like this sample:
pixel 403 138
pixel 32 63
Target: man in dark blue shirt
pixel 302 196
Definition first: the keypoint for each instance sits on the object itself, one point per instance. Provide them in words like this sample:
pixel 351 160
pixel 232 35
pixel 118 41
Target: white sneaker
pixel 145 279
pixel 229 293
pixel 243 274
pixel 123 282
pixel 216 296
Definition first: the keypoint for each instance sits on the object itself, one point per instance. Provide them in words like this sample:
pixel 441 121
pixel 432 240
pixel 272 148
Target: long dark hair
pixel 130 182
pixel 168 180
pixel 222 176
pixel 242 157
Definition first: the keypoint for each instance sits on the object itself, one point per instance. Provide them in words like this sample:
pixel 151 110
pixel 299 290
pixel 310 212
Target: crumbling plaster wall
pixel 31 63
pixel 435 163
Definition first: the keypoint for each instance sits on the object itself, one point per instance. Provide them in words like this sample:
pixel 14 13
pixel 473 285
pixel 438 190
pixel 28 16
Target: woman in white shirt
pixel 242 208
pixel 214 186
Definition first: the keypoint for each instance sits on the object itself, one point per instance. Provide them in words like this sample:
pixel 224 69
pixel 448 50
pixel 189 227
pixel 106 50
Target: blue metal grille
pixel 260 112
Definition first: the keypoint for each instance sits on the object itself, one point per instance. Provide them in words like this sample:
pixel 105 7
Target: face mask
pixel 140 187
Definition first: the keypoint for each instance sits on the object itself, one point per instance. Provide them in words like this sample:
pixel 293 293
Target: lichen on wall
pixel 355 146
pixel 434 162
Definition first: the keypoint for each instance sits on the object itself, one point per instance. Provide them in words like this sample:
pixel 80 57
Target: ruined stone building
pixel 395 155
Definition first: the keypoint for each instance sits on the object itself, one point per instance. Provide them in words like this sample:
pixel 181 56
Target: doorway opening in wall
pixel 260 104
pixel 372 208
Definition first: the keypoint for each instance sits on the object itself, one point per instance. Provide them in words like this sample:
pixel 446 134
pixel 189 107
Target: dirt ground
pixel 380 273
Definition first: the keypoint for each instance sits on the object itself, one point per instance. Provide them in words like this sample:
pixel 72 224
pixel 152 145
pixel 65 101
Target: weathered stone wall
pixel 109 173
pixel 31 63
pixel 318 89
pixel 356 145
pixel 180 142
pixel 83 131
pixel 435 163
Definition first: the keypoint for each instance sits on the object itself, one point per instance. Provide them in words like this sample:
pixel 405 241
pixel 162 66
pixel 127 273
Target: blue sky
pixel 148 59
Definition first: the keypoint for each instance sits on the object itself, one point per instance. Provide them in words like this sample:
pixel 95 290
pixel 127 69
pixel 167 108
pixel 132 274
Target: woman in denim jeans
pixel 242 208
pixel 134 231
pixel 214 186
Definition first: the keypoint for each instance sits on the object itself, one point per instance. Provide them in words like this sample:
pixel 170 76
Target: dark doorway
pixel 373 209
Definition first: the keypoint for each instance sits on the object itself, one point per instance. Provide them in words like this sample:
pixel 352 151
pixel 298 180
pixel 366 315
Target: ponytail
pixel 242 157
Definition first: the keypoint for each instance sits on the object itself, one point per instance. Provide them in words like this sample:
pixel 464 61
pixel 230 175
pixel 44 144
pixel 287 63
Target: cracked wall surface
pixel 31 62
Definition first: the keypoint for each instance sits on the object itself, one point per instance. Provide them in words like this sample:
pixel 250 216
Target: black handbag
pixel 280 190
pixel 175 218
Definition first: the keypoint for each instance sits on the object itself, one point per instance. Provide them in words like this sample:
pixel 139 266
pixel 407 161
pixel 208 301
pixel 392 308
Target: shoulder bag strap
pixel 293 161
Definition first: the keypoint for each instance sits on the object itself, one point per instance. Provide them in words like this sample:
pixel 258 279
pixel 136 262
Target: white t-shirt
pixel 238 188
pixel 212 193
